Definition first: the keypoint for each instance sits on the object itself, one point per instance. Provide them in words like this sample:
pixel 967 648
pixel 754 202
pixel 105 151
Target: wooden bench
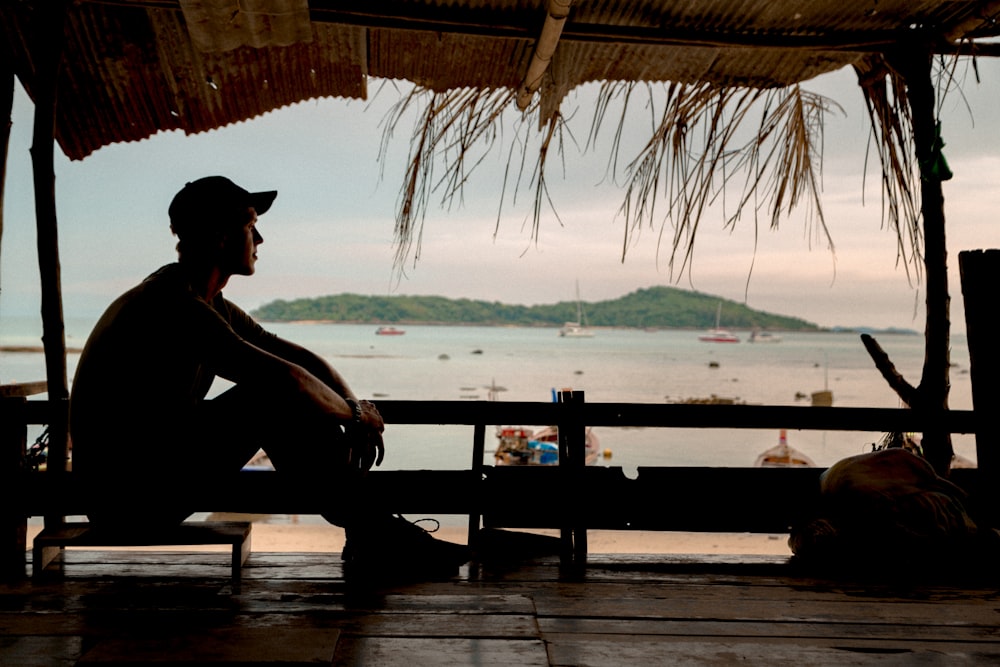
pixel 49 545
pixel 50 542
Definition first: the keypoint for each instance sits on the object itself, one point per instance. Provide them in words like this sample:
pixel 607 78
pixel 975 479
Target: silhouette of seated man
pixel 139 403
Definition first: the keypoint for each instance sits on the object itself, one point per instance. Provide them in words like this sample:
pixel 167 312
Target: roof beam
pixel 545 48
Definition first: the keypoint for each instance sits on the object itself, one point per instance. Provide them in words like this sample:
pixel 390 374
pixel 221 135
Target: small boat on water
pixel 517 445
pixel 718 334
pixel 389 331
pixel 783 456
pixel 758 336
pixel 576 329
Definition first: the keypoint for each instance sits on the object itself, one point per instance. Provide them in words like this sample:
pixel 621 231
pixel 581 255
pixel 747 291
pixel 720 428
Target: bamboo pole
pixel 545 48
pixel 48 47
pixel 6 108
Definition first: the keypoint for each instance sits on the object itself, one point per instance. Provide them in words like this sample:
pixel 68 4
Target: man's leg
pixel 315 449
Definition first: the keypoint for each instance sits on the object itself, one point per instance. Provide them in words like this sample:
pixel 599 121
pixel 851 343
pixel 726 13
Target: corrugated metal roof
pixel 132 67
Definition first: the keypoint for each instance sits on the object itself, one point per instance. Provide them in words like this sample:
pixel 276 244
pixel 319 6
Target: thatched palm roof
pixel 136 67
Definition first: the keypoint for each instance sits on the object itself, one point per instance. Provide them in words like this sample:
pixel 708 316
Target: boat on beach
pixel 517 445
pixel 718 334
pixel 389 331
pixel 783 456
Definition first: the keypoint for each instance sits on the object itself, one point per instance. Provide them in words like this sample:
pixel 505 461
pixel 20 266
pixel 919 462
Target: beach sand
pixel 322 538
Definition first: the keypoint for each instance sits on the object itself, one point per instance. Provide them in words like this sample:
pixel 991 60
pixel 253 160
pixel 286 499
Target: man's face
pixel 240 246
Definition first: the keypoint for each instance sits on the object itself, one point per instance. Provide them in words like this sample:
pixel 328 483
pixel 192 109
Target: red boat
pixel 718 335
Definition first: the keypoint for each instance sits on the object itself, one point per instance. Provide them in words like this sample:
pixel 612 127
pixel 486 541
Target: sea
pixel 615 365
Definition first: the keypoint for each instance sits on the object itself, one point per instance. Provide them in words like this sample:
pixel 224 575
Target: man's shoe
pixel 394 549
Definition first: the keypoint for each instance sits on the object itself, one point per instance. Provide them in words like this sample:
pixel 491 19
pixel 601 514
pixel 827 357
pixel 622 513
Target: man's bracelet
pixel 355 410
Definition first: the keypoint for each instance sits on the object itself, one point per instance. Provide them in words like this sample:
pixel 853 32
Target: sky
pixel 330 230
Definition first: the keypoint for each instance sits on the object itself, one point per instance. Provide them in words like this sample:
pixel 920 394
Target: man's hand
pixel 370 416
pixel 365 448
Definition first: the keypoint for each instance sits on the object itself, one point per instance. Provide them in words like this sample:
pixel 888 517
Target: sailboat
pixel 718 334
pixel 576 329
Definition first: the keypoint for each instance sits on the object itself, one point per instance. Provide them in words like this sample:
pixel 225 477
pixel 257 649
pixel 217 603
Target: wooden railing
pixel 571 497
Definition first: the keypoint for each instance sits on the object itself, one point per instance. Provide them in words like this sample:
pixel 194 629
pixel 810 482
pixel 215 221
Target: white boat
pixel 758 336
pixel 517 445
pixel 718 334
pixel 389 331
pixel 783 456
pixel 576 329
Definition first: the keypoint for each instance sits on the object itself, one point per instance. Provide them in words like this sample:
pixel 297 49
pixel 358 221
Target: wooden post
pixel 13 526
pixel 980 275
pixel 48 49
pixel 572 459
pixel 915 64
pixel 478 452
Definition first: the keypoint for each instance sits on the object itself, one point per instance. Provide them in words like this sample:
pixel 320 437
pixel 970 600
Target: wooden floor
pixel 127 607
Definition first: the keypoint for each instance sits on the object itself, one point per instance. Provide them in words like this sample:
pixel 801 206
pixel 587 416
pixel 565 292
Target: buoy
pixel 607 453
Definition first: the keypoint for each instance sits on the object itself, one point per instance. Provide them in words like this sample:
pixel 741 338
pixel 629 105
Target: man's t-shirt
pixel 145 368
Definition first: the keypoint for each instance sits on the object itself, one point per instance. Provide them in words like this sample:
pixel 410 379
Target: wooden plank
pixel 614 651
pixel 409 651
pixel 242 645
pixel 653 415
pixel 57 649
pixel 675 415
pixel 787 610
pixel 23 389
pixel 764 627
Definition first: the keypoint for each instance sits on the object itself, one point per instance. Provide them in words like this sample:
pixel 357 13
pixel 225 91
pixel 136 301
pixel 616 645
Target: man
pixel 138 405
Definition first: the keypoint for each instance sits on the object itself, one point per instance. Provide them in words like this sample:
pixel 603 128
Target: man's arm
pixel 308 360
pixel 312 365
pixel 324 372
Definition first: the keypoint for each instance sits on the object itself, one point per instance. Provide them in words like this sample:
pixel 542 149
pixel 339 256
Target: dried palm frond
pixel 704 138
pixel 781 160
pixel 451 125
pixel 892 129
pixel 455 131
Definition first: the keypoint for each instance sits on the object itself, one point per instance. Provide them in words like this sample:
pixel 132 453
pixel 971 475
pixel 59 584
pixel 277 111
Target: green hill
pixel 655 307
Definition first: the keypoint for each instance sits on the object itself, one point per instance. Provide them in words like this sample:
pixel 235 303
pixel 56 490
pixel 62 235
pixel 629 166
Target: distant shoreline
pixel 505 325
pixel 34 349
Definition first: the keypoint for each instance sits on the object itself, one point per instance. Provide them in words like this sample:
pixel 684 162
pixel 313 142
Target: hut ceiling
pixel 136 67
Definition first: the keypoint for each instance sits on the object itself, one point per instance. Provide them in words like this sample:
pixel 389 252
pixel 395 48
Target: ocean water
pixel 617 365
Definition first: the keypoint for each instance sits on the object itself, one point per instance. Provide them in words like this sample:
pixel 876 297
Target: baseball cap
pixel 212 201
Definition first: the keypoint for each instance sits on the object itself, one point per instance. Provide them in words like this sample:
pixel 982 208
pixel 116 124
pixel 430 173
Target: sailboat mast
pixel 579 306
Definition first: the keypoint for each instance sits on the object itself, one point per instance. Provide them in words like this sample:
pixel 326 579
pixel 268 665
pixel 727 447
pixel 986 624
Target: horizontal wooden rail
pixel 762 500
pixel 669 415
